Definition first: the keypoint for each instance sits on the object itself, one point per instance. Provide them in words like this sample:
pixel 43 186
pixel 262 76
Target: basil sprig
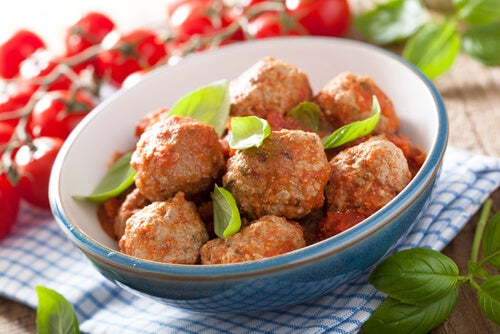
pixel 354 130
pixel 248 131
pixel 422 284
pixel 227 220
pixel 55 314
pixel 433 42
pixel 209 104
pixel 119 177
pixel 307 113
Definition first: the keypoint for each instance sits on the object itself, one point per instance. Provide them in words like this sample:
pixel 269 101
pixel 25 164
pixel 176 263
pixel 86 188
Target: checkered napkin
pixel 37 253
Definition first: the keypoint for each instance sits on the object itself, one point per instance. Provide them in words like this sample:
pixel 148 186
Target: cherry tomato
pixel 270 24
pixel 90 29
pixel 141 49
pixel 6 131
pixel 57 113
pixel 38 66
pixel 10 206
pixel 321 17
pixel 13 101
pixel 34 162
pixel 15 49
pixel 194 18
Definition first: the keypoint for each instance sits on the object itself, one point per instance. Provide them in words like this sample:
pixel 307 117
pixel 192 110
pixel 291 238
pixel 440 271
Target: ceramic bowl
pixel 274 282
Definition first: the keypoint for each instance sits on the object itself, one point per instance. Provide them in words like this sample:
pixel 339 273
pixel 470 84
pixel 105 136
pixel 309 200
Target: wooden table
pixel 471 93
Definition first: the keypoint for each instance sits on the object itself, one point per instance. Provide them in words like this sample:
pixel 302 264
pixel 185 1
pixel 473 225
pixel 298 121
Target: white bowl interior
pixel 84 159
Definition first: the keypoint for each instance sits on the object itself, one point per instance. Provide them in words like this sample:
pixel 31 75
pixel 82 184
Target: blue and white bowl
pixel 270 283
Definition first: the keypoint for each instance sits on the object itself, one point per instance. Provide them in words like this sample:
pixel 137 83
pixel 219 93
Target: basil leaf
pixel 434 48
pixel 391 21
pixel 55 315
pixel 489 298
pixel 119 177
pixel 482 43
pixel 249 131
pixel 491 241
pixel 227 219
pixel 477 270
pixel 354 130
pixel 209 104
pixel 307 113
pixel 477 12
pixel 416 276
pixel 393 316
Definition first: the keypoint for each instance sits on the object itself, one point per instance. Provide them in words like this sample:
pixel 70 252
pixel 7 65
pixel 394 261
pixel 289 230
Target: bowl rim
pixel 322 249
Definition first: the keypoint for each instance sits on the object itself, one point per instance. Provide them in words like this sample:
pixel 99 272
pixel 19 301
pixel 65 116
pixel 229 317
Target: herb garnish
pixel 422 284
pixel 227 220
pixel 55 315
pixel 307 113
pixel 249 131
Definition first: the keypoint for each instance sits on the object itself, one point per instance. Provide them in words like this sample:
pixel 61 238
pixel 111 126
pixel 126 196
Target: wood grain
pixel 471 93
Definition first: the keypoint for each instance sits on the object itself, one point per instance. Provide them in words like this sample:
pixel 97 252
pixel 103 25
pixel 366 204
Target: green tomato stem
pixel 481 225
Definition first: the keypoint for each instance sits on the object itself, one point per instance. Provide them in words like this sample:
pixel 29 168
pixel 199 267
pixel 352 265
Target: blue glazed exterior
pixel 276 282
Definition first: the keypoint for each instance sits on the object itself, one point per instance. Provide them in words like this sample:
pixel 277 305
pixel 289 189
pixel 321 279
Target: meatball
pixel 169 231
pixel 134 201
pixel 177 154
pixel 285 176
pixel 348 98
pixel 366 176
pixel 265 237
pixel 269 85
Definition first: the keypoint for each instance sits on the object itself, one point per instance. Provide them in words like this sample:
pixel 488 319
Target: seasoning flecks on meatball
pixel 177 154
pixel 269 85
pixel 266 237
pixel 366 176
pixel 170 232
pixel 348 98
pixel 285 176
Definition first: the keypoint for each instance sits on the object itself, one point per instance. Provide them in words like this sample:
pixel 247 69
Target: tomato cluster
pixel 43 96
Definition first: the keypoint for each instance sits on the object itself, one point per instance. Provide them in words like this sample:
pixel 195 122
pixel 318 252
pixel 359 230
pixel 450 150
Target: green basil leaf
pixel 354 130
pixel 391 21
pixel 416 276
pixel 227 219
pixel 55 315
pixel 434 48
pixel 482 43
pixel 393 316
pixel 477 12
pixel 491 241
pixel 209 104
pixel 489 298
pixel 119 177
pixel 307 113
pixel 249 131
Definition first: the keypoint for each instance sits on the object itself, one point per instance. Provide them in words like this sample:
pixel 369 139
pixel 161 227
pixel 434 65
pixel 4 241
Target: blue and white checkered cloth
pixel 37 253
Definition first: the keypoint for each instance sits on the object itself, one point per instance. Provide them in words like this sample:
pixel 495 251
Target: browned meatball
pixel 348 98
pixel 170 232
pixel 366 176
pixel 265 237
pixel 132 203
pixel 285 176
pixel 177 154
pixel 269 85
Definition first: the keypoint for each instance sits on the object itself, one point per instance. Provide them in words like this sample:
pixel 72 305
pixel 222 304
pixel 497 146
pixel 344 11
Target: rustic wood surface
pixel 471 93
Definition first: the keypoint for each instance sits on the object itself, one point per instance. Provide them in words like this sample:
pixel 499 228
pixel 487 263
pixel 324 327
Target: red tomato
pixel 15 49
pixel 40 64
pixel 321 17
pixel 6 131
pixel 10 206
pixel 270 24
pixel 12 101
pixel 194 18
pixel 90 29
pixel 34 162
pixel 57 113
pixel 141 49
